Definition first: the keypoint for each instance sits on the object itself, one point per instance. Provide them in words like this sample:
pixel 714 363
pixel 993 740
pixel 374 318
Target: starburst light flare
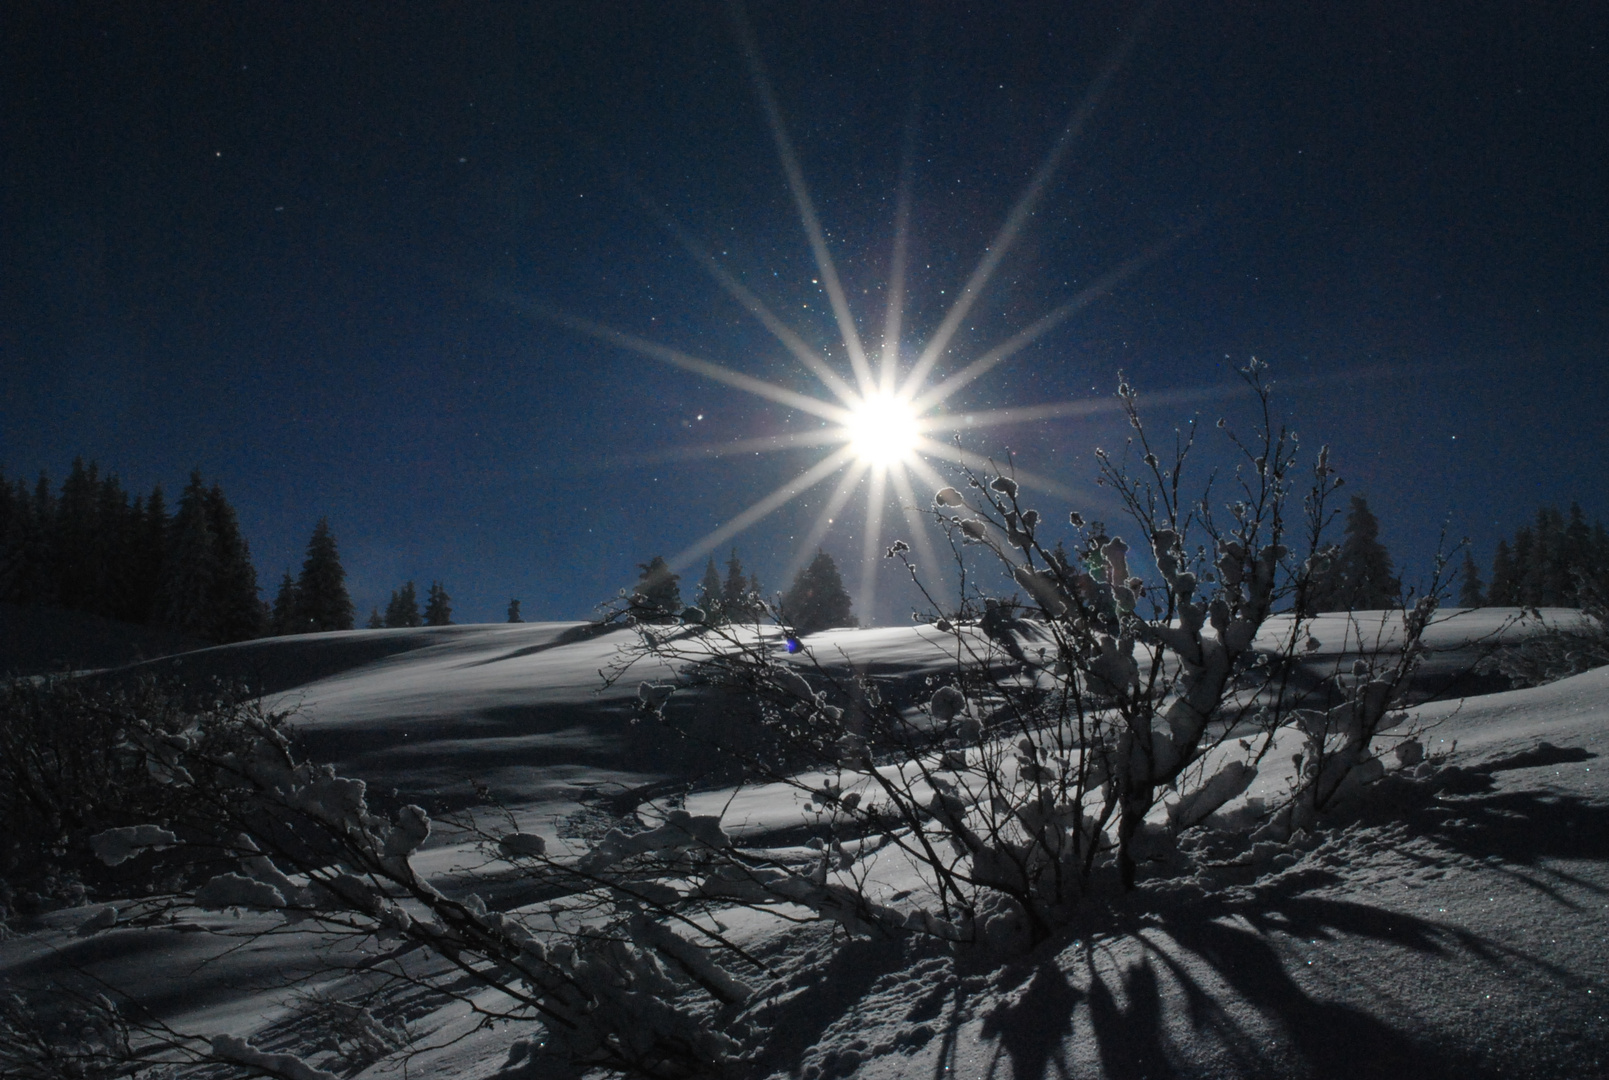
pixel 882 429
pixel 877 424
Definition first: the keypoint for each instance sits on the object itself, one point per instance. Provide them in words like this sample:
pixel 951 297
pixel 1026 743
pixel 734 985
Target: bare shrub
pixel 1122 698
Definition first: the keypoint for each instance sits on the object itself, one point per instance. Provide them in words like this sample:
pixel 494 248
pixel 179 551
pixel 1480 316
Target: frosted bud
pixel 973 529
pixel 1005 485
pixel 1076 519
pixel 654 695
pixel 949 497
pixel 946 703
pixel 522 844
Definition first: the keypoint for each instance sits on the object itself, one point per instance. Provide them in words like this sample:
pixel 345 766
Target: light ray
pixel 801 198
pixel 1042 326
pixel 893 319
pixel 676 358
pixel 928 475
pixel 763 444
pixel 911 507
pixel 757 307
pixel 826 519
pixel 1020 213
pixel 798 485
pixel 1027 479
pixel 870 545
pixel 1088 407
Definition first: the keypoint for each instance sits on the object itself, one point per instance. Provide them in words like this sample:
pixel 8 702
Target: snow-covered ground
pixel 1457 930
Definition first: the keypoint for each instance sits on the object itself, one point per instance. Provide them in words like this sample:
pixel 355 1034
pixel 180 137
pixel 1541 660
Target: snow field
pixel 1463 933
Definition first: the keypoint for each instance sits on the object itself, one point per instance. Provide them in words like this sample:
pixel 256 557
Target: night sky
pixel 307 248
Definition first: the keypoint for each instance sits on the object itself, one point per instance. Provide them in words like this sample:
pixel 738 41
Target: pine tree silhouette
pixel 1502 591
pixel 151 554
pixel 324 603
pixel 740 595
pixel 438 606
pixel 76 529
pixel 191 571
pixel 658 595
pixel 375 622
pixel 1361 577
pixel 403 610
pixel 286 617
pixel 236 608
pixel 514 611
pixel 709 593
pixel 817 598
pixel 1469 591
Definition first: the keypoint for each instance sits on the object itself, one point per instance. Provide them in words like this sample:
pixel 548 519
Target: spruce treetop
pixel 817 599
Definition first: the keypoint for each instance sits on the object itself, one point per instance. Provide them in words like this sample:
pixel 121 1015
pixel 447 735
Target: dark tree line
pixel 815 601
pixel 403 609
pixel 657 596
pixel 92 548
pixel 1543 565
pixel 733 599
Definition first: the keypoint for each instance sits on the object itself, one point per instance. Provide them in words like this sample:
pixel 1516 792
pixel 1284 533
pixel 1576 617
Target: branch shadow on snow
pixel 1222 966
pixel 1213 963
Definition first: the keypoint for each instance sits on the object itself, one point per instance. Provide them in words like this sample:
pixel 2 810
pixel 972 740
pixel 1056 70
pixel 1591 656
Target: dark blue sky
pixel 270 241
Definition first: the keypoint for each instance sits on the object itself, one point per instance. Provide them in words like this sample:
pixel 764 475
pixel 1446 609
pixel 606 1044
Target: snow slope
pixel 1453 930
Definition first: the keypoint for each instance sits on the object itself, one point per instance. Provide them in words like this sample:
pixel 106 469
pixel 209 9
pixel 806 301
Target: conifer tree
pixel 514 611
pixel 375 622
pixel 286 617
pixel 817 598
pixel 32 577
pixel 740 595
pixel 321 589
pixel 191 571
pixel 438 606
pixel 116 548
pixel 151 555
pixel 1524 560
pixel 1469 590
pixel 658 595
pixel 74 540
pixel 236 608
pixel 9 521
pixel 1578 555
pixel 1360 577
pixel 403 610
pixel 1502 591
pixel 709 593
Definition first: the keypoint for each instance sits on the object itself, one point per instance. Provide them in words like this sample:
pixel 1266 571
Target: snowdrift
pixel 1451 931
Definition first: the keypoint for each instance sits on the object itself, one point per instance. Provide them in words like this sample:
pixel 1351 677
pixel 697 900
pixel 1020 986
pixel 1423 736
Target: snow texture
pixel 1456 930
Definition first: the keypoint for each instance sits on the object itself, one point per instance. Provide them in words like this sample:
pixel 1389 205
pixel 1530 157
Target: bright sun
pixel 882 430
pixel 879 417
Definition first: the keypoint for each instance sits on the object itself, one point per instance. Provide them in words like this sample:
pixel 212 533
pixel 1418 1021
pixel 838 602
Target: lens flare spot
pixel 882 430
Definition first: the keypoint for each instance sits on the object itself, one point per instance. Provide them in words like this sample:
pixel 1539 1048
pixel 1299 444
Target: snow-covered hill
pixel 1457 930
